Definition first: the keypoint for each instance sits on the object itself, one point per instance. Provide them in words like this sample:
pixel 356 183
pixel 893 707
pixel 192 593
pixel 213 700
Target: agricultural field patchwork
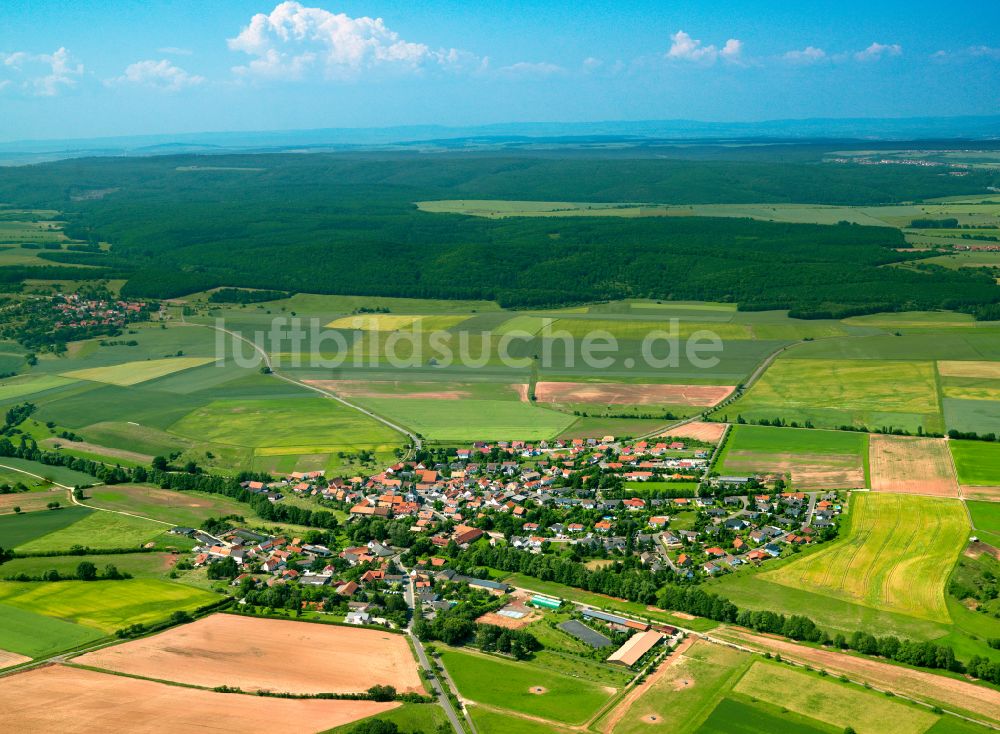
pixel 832 393
pixel 812 460
pixel 470 420
pixel 895 557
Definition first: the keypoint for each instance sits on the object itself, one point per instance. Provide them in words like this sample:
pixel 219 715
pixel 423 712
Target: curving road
pixel 415 441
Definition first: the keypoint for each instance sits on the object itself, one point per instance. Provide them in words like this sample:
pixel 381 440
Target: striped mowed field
pixel 896 557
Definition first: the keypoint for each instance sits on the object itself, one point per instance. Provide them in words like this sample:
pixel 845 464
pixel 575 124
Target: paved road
pixel 410 595
pixel 414 438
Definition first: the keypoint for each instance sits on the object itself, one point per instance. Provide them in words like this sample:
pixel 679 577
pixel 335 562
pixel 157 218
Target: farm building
pixel 615 620
pixel 638 645
pixel 545 601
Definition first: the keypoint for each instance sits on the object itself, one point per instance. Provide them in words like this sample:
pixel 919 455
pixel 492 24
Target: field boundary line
pixel 75 501
pixel 414 439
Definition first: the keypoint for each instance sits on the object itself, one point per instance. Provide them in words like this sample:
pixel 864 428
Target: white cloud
pixel 984 52
pixel 877 50
pixel 293 40
pixel 532 68
pixel 682 46
pixel 44 75
pixel 592 63
pixel 159 74
pixel 808 55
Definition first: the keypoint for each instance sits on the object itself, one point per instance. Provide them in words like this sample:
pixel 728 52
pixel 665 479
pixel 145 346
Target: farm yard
pixel 78 701
pixel 896 556
pixel 266 654
pixel 813 460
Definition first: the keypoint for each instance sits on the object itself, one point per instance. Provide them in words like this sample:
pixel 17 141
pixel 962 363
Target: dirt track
pixel 74 701
pixel 950 692
pixel 267 654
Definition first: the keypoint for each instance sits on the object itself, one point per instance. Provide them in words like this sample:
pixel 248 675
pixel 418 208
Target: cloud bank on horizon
pixel 317 51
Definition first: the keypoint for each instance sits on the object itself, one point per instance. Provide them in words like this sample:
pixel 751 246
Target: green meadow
pixel 504 684
pixel 100 530
pixel 17 530
pixel 977 462
pixel 28 633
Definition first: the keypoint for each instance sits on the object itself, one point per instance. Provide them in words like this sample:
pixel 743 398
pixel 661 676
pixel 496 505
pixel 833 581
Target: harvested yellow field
pixel 986 370
pixel 132 373
pixel 396 322
pixel 896 556
pixel 912 466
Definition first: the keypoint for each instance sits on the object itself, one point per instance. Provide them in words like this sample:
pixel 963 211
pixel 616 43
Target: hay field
pixel 267 654
pixel 132 373
pixel 912 466
pixel 697 431
pixel 896 556
pixel 76 701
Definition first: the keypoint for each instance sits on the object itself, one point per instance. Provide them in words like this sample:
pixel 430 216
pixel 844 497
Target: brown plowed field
pixel 75 701
pixel 698 431
pixel 615 393
pixel 267 654
pixel 912 466
pixel 989 494
pixel 9 659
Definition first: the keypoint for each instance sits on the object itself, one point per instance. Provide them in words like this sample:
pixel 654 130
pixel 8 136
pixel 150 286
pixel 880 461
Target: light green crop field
pixel 104 605
pixel 813 459
pixel 490 722
pixel 508 685
pixel 22 386
pixel 529 324
pixel 732 716
pixel 896 556
pixel 285 423
pixel 50 473
pixel 140 565
pixel 98 530
pixel 17 530
pixel 638 330
pixel 977 462
pixel 27 633
pixel 986 520
pixel 472 420
pixel 133 373
pixel 410 717
pixel 832 702
pixel 831 393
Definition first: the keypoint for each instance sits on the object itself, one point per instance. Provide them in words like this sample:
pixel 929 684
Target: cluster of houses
pixel 76 311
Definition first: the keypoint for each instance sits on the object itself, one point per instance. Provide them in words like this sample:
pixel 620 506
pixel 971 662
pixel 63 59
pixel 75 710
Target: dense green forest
pixel 346 223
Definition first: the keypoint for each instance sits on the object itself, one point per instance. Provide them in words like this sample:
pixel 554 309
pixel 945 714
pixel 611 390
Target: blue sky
pixel 83 69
